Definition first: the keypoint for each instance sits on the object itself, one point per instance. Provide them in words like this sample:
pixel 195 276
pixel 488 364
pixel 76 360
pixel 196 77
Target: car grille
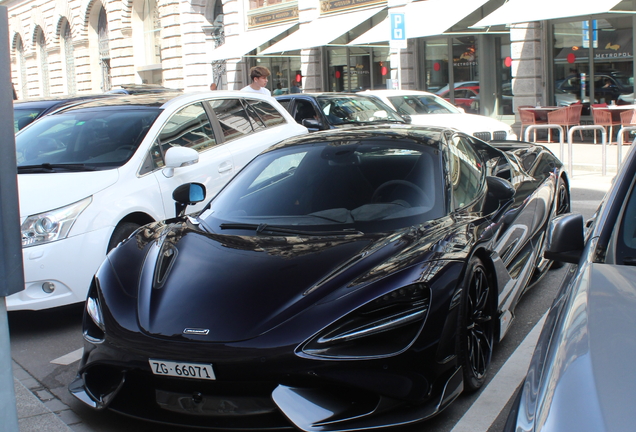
pixel 500 135
pixel 484 136
pixel 487 136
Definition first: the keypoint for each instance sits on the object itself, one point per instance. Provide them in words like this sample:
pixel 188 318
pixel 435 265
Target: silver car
pixel 581 377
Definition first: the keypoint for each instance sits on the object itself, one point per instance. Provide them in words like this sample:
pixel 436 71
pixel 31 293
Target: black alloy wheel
pixel 563 198
pixel 477 325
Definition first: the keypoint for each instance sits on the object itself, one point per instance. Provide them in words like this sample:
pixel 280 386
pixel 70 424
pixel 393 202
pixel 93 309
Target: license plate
pixel 182 369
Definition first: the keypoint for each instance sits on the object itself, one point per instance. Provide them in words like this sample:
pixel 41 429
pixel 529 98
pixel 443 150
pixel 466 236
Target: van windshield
pixel 99 138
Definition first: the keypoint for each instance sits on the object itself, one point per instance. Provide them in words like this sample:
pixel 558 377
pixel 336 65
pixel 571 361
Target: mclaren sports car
pixel 343 280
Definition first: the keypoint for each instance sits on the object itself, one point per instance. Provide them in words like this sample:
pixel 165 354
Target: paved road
pixel 47 345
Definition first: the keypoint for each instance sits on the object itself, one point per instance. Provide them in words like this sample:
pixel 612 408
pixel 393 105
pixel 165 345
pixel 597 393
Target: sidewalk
pixel 38 409
pixel 588 157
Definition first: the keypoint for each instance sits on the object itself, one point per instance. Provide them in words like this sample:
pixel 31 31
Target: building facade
pixel 476 53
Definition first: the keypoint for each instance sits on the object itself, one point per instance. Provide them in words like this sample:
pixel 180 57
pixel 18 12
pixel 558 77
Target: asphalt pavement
pixel 39 410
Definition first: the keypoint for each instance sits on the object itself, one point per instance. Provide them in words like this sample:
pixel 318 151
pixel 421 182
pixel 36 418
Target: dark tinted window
pixel 466 171
pixel 188 127
pixel 234 119
pixel 95 137
pixel 24 116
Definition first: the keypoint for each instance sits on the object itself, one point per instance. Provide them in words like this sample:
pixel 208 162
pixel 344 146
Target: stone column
pixel 528 86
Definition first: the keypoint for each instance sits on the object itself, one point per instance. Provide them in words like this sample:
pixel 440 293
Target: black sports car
pixel 343 280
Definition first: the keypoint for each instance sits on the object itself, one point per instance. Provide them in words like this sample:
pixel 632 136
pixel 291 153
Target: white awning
pixel 518 11
pixel 236 47
pixel 322 31
pixel 423 18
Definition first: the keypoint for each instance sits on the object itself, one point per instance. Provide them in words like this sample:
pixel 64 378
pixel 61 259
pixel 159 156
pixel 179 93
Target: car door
pixel 190 126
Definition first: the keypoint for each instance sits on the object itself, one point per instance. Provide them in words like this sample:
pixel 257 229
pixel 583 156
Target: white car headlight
pixel 52 225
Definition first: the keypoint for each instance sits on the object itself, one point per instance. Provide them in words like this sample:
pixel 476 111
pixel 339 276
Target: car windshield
pixel 418 105
pixel 24 116
pixel 348 110
pixel 99 138
pixel 371 186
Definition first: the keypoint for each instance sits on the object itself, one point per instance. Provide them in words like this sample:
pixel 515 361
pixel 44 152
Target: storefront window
pixel 285 75
pixel 610 41
pixel 504 77
pixel 436 65
pixel 465 73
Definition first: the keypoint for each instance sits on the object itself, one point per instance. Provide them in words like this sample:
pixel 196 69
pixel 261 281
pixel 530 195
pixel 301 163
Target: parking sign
pixel 398 31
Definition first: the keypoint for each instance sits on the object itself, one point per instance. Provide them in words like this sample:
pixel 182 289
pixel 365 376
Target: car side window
pixel 188 127
pixel 626 239
pixel 304 110
pixel 233 117
pixel 267 113
pixel 466 171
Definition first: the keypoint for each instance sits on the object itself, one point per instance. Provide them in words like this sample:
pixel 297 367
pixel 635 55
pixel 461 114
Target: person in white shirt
pixel 258 75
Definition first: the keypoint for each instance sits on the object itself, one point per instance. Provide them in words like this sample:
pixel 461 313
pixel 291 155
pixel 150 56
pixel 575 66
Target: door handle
pixel 225 166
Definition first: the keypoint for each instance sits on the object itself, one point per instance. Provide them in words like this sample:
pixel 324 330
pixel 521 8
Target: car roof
pixel 321 94
pixel 389 93
pixel 49 101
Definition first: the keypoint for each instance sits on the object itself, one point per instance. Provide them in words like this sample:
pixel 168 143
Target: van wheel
pixel 121 233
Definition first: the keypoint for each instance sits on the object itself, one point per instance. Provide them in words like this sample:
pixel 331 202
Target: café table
pixel 540 112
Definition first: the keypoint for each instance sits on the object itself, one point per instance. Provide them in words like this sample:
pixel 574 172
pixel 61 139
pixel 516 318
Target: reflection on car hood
pixel 468 123
pixel 247 284
pixel 44 192
pixel 590 386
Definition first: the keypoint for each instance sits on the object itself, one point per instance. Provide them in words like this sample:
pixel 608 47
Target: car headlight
pixel 94 326
pixel 52 225
pixel 383 327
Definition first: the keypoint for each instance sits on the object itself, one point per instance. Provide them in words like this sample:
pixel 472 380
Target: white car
pixel 428 109
pixel 91 174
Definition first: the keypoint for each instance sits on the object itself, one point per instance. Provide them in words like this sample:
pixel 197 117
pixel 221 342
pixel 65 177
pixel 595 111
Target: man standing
pixel 258 75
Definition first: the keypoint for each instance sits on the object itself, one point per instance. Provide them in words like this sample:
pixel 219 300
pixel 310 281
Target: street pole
pixel 11 271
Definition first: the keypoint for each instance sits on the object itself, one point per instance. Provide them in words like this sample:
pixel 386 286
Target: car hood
pixel 468 123
pixel 43 192
pixel 589 385
pixel 234 287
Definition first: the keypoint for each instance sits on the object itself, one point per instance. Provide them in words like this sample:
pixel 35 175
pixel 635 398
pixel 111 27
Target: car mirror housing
pixel 566 238
pixel 187 194
pixel 312 124
pixel 499 188
pixel 407 118
pixel 177 157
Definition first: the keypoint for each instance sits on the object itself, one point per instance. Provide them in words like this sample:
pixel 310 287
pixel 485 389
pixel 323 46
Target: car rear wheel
pixel 121 233
pixel 477 325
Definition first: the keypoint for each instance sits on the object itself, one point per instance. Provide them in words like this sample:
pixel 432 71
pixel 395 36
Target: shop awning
pixel 423 18
pixel 518 11
pixel 240 45
pixel 322 31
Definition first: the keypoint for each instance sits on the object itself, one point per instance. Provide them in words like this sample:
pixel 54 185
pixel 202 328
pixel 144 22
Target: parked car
pixel 338 272
pixel 26 111
pixel 428 109
pixel 466 98
pixel 135 89
pixel 581 376
pixel 322 111
pixel 92 173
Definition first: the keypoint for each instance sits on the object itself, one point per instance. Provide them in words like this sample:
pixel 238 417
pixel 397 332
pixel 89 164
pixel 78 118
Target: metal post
pixel 619 158
pixel 547 126
pixel 11 271
pixel 603 142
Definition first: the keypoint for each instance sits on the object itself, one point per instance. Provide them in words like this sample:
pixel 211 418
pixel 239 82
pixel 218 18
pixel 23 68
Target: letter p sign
pixel 398 30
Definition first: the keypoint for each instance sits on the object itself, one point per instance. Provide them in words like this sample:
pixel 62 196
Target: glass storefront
pixel 610 74
pixel 284 71
pixel 357 68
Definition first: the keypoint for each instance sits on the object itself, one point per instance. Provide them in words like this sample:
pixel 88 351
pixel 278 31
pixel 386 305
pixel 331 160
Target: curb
pixel 38 409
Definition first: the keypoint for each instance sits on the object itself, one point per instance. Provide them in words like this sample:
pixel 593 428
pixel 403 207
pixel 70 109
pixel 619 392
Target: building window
pixel 22 70
pixel 104 50
pixel 69 58
pixel 44 62
pixel 152 32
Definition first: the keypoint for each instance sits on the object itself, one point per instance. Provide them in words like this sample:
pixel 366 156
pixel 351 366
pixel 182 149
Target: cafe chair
pixel 566 117
pixel 628 118
pixel 602 117
pixel 528 117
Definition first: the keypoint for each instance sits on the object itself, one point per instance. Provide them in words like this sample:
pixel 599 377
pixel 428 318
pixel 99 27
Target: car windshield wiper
pixel 269 229
pixel 51 168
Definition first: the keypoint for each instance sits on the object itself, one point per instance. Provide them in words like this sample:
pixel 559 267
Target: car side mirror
pixel 187 194
pixel 407 118
pixel 566 238
pixel 312 124
pixel 177 157
pixel 498 190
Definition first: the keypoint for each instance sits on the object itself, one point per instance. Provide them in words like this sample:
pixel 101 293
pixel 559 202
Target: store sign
pixel 329 6
pixel 273 15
